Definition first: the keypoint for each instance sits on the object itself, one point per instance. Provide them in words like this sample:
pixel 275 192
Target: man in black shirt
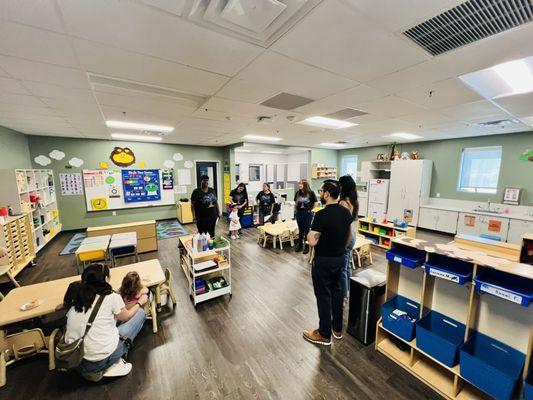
pixel 329 235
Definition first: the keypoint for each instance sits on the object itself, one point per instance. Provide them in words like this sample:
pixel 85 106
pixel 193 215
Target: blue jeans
pixel 347 270
pixel 128 329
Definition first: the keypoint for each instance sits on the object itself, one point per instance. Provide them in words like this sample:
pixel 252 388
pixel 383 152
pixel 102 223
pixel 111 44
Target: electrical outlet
pixel 114 213
pixel 438 194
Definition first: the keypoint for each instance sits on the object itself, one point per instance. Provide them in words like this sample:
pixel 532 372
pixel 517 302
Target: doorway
pixel 208 168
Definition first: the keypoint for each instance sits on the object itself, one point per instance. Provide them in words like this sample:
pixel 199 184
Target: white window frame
pixel 487 190
pixel 344 160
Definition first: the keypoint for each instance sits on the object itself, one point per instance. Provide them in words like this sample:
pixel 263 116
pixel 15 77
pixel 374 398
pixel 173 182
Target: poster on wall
pixel 141 185
pixel 71 184
pixel 167 177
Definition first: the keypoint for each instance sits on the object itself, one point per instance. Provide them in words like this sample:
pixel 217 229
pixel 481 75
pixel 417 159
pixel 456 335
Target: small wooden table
pixel 277 231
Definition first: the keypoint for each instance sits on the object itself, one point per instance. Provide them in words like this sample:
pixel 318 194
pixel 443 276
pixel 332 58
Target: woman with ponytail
pixel 105 344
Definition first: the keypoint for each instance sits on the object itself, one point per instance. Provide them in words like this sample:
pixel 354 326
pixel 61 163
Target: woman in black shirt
pixel 265 200
pixel 239 196
pixel 205 207
pixel 305 200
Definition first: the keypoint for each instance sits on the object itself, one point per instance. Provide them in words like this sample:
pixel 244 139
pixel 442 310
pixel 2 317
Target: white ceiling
pixel 341 53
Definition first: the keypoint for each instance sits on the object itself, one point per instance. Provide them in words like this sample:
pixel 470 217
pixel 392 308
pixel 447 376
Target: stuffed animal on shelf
pixel 414 155
pixel 405 156
pixel 395 155
pixel 380 157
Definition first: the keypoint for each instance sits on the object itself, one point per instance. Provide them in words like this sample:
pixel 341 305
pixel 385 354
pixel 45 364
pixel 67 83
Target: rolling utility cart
pixel 208 272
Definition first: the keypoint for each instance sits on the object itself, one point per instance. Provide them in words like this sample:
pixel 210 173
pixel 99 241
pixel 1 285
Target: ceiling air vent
pixel 499 122
pixel 345 114
pixel 469 22
pixel 286 101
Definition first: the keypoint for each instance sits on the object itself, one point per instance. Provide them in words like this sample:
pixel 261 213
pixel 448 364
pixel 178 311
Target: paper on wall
pixel 71 184
pixel 180 189
pixel 184 177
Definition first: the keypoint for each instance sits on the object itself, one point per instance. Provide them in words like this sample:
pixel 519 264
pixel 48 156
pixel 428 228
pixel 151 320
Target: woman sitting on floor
pixel 105 344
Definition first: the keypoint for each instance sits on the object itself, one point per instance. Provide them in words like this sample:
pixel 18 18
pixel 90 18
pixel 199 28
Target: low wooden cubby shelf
pixel 455 292
pixel 383 232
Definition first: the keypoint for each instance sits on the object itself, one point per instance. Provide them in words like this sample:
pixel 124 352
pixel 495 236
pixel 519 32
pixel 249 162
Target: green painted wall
pixel 446 156
pixel 15 150
pixel 321 156
pixel 73 213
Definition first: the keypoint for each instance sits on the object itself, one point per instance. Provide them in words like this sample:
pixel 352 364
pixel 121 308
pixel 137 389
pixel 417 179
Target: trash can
pixel 367 294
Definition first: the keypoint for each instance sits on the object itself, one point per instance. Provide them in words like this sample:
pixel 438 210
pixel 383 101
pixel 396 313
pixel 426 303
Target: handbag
pixel 70 355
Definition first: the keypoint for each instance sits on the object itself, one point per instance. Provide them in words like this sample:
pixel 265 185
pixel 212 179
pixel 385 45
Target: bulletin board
pixel 105 189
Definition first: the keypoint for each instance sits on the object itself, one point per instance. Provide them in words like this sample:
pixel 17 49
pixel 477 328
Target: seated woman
pixel 105 344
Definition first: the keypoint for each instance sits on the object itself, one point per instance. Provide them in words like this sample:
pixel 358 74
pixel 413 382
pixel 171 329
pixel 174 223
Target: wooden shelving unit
pixel 383 232
pixel 23 185
pixel 494 315
pixel 319 171
pixel 15 236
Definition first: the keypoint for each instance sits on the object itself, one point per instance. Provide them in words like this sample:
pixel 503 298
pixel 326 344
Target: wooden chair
pixel 25 344
pixel 285 236
pixel 165 288
pixel 361 252
pixel 5 270
pixel 149 309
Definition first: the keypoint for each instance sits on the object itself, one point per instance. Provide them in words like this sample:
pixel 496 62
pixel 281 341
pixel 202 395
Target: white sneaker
pixel 238 237
pixel 120 368
pixel 233 237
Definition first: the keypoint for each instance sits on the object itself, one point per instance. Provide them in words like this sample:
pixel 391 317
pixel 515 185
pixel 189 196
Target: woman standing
pixel 305 200
pixel 239 196
pixel 265 200
pixel 205 207
pixel 105 344
pixel 348 199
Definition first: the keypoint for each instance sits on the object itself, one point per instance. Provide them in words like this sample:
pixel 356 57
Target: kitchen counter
pixel 522 217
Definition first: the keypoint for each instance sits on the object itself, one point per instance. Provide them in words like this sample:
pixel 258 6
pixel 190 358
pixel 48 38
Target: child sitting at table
pixel 234 223
pixel 131 288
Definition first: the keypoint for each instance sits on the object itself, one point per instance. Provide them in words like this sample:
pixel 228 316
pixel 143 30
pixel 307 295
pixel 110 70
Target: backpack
pixel 70 355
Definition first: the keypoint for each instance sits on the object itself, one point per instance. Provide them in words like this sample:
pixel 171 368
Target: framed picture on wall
pixel 511 195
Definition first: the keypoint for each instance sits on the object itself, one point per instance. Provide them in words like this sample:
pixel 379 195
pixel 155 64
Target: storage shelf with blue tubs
pixel 400 326
pixel 448 268
pixel 492 366
pixel 528 386
pixel 440 337
pixel 514 288
pixel 407 256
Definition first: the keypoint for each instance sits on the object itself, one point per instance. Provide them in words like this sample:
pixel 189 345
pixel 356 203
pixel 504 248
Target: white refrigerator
pixel 378 197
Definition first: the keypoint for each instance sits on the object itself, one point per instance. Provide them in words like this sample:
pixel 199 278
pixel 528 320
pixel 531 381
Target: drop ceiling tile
pixel 37 13
pixel 427 119
pixel 109 61
pixel 116 113
pixel 21 99
pixel 520 105
pixel 8 85
pixel 389 106
pixel 59 92
pixel 148 31
pixel 36 44
pixel 172 6
pixel 477 109
pixel 355 48
pixel 290 76
pixel 246 91
pixel 440 94
pixel 42 72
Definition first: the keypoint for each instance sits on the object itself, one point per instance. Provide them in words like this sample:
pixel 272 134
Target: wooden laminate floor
pixel 245 348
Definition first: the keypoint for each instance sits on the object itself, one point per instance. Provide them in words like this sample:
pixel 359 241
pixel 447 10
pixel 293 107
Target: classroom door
pixel 208 168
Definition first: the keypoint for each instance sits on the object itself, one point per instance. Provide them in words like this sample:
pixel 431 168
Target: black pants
pixel 303 219
pixel 327 282
pixel 206 225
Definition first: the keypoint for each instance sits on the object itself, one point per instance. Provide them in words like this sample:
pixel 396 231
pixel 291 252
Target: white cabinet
pixel 438 220
pixel 488 226
pixel 365 171
pixel 362 199
pixel 410 182
pixel 517 228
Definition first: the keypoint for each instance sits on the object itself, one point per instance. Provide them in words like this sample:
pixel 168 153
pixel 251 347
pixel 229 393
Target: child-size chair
pixel 149 309
pixel 361 252
pixel 165 288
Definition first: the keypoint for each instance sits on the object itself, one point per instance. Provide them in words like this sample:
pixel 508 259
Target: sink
pixel 488 211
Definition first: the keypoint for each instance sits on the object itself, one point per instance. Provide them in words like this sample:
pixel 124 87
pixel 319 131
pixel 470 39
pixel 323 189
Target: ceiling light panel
pixel 325 122
pixel 140 138
pixel 336 145
pixel 138 126
pixel 405 136
pixel 260 138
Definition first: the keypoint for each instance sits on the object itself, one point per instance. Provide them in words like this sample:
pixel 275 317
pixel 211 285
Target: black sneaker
pixel 306 250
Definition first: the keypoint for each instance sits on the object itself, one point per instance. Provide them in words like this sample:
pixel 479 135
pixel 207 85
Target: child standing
pixel 234 223
pixel 131 288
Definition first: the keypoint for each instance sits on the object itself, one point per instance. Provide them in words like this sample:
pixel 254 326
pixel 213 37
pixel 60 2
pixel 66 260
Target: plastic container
pixel 405 255
pixel 440 337
pixel 513 288
pixel 447 268
pixel 401 327
pixel 492 366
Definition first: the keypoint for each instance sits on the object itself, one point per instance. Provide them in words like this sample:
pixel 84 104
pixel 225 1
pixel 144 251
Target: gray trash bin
pixel 367 294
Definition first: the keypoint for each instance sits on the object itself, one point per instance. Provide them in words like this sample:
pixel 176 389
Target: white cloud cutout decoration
pixel 42 160
pixel 75 162
pixel 177 157
pixel 169 164
pixel 57 155
pixel 188 164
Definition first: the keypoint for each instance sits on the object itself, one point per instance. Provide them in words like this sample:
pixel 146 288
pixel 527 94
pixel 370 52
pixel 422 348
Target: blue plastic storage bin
pixel 513 288
pixel 528 386
pixel 399 326
pixel 405 255
pixel 440 337
pixel 492 366
pixel 451 269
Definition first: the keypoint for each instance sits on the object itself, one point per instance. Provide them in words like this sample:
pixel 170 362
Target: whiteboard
pixel 104 191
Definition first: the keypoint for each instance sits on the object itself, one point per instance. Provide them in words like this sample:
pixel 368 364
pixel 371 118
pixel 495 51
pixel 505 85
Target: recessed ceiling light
pixel 325 122
pixel 140 138
pixel 138 126
pixel 405 135
pixel 517 75
pixel 260 138
pixel 333 144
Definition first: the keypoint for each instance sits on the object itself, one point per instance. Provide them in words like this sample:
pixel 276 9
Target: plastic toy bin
pixel 492 366
pixel 513 288
pixel 528 386
pixel 400 326
pixel 440 337
pixel 447 268
pixel 407 256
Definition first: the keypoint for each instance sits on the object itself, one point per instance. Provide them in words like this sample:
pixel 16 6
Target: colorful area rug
pixel 169 229
pixel 73 244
